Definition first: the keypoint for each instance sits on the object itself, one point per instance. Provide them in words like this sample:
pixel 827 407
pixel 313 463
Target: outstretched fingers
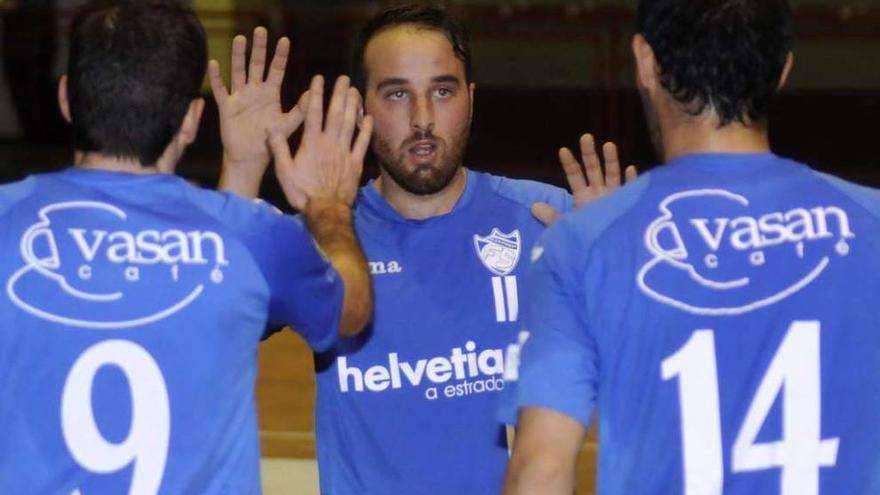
pixel 362 143
pixel 612 165
pixel 315 109
pixel 218 87
pixel 349 120
pixel 573 174
pixel 258 55
pixel 237 65
pixel 631 173
pixel 336 110
pixel 592 163
pixel 279 63
pixel 296 115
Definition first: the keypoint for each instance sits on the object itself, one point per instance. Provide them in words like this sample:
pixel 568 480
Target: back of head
pixel 727 55
pixel 425 17
pixel 134 68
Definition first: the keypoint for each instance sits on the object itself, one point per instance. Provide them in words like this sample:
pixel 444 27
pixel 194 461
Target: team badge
pixel 498 251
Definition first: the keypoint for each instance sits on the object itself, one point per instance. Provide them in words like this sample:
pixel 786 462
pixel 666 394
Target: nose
pixel 423 115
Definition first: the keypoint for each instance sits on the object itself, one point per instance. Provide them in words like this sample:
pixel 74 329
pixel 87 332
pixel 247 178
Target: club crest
pixel 498 251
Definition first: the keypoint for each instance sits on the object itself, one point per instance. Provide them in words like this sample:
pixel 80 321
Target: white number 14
pixel 794 372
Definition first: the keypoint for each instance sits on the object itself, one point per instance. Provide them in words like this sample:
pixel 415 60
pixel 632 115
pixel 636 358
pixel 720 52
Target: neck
pixel 99 161
pixel 420 207
pixel 700 134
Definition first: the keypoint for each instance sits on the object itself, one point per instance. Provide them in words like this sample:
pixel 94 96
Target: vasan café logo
pixel 83 266
pixel 712 255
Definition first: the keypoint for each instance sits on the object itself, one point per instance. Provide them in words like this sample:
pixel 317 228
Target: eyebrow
pixel 399 81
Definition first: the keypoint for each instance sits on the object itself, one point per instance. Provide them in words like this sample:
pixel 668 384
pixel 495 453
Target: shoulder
pixel 527 192
pixel 12 193
pixel 867 197
pixel 591 221
pixel 240 214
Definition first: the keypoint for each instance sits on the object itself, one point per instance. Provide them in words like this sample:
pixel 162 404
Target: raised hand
pixel 252 110
pixel 587 182
pixel 327 165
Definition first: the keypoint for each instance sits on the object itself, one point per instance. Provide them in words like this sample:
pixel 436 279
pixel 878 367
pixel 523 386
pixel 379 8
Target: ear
pixel 471 88
pixel 646 64
pixel 786 70
pixel 189 129
pixel 63 102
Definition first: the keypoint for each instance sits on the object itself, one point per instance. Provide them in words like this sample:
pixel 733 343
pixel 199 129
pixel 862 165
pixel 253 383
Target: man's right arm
pixel 321 180
pixel 330 223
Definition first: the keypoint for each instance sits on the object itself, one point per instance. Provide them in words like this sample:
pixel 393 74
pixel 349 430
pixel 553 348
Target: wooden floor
pixel 286 391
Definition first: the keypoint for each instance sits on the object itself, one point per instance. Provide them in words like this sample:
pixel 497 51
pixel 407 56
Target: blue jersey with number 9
pixel 129 324
pixel 720 315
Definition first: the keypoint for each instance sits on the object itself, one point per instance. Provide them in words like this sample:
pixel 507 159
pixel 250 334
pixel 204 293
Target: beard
pixel 424 179
pixel 653 121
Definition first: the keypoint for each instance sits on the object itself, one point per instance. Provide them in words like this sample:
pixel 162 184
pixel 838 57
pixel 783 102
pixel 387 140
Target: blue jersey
pixel 411 402
pixel 129 324
pixel 719 315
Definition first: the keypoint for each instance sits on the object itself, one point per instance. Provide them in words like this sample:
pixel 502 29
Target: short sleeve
pixel 305 291
pixel 558 363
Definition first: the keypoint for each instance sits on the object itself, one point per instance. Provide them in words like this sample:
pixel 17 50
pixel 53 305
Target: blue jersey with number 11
pixel 720 314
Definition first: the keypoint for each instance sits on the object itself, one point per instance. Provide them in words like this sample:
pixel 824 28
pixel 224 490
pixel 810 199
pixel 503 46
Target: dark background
pixel 545 72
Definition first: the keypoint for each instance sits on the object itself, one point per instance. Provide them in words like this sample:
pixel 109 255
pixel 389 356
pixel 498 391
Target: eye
pixel 444 92
pixel 396 95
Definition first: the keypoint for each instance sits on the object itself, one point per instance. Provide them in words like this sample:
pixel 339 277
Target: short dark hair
pixel 725 54
pixel 426 17
pixel 134 68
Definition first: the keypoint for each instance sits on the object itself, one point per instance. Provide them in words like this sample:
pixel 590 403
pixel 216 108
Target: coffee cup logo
pixel 711 254
pixel 85 261
pixel 50 264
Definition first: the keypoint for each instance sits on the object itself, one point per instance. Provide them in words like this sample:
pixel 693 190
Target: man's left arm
pixel 553 377
pixel 545 454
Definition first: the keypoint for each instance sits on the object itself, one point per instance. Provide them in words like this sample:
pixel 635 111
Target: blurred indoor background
pixel 546 71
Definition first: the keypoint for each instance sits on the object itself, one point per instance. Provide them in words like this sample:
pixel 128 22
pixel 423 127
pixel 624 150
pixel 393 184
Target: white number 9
pixel 147 442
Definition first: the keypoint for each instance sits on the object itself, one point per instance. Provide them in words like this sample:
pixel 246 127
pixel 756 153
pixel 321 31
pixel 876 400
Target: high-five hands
pixel 327 165
pixel 587 182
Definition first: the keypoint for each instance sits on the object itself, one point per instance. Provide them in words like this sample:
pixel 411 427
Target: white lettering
pixel 177 248
pixel 414 375
pixel 713 240
pixel 377 378
pixel 437 370
pixel 746 235
pixel 345 372
pixel 751 234
pixel 772 228
pixel 88 250
pixel 801 226
pixel 496 367
pixel 150 247
pixel 122 248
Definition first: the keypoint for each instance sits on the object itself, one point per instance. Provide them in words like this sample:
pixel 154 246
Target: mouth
pixel 423 152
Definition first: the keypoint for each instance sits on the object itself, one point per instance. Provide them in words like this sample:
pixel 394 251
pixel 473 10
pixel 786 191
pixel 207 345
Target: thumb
pixel 280 149
pixel 545 213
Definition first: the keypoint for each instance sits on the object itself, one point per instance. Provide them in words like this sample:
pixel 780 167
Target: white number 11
pixel 794 372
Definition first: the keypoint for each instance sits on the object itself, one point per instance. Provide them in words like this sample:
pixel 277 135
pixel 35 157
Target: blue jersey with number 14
pixel 129 324
pixel 720 314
